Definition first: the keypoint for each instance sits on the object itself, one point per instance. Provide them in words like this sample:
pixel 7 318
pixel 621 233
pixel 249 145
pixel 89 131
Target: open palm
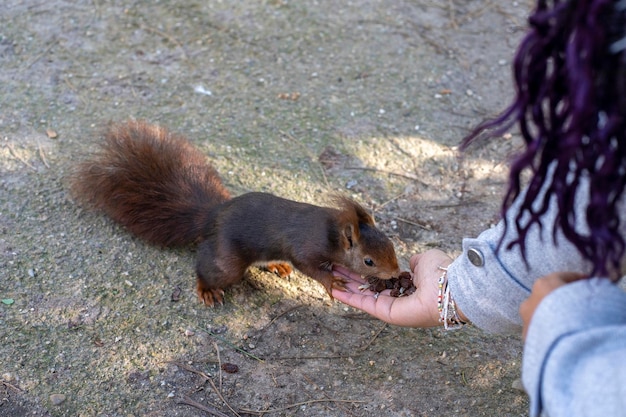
pixel 416 310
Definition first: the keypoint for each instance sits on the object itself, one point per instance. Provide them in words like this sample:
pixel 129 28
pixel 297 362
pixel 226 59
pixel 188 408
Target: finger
pixel 414 261
pixel 399 311
pixel 549 283
pixel 525 314
pixel 569 277
pixel 377 306
pixel 541 288
pixel 525 308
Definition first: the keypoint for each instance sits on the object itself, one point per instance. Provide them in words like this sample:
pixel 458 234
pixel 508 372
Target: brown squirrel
pixel 163 190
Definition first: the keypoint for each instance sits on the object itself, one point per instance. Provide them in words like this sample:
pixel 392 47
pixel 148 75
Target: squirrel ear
pixel 346 237
pixel 354 210
pixel 363 215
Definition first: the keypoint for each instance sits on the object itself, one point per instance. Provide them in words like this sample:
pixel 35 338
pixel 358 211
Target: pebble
pixel 57 399
pixel 517 385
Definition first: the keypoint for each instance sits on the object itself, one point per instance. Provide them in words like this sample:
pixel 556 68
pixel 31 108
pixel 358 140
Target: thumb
pixel 415 259
pixel 569 277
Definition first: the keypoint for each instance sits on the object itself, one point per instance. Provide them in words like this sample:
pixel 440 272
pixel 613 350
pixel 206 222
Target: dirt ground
pixel 300 99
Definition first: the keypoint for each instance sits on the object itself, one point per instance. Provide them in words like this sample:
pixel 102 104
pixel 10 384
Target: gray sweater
pixel 490 286
pixel 575 352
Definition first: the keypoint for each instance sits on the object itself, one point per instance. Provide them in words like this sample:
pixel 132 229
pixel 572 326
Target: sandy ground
pixel 300 99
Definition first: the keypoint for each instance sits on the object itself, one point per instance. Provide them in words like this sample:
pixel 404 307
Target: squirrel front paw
pixel 338 283
pixel 332 282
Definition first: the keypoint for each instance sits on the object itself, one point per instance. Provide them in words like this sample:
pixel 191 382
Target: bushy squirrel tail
pixel 152 181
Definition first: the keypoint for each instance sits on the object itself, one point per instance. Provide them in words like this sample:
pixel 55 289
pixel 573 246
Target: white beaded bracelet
pixel 448 315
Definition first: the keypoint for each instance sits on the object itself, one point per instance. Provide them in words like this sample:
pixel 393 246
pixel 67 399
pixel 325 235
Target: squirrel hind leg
pixel 209 296
pixel 214 273
pixel 282 269
pixel 212 281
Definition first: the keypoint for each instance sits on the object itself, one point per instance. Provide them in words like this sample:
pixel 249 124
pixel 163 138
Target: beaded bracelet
pixel 446 306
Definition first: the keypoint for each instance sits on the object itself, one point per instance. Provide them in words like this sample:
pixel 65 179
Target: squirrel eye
pixel 368 261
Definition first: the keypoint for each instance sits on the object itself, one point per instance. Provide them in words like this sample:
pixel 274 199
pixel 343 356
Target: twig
pixel 238 349
pixel 43 157
pixel 208 379
pixel 6 384
pixel 190 369
pixel 287 407
pixel 305 376
pixel 374 338
pixel 45 51
pixel 452 19
pixel 19 158
pixel 188 401
pixel 421 226
pixel 289 310
pixel 168 37
pixel 72 87
pixel 363 349
pixel 219 394
pixel 461 204
pixel 359 351
pixel 382 171
pixel 219 363
pixel 390 200
pixel 312 357
pixel 308 152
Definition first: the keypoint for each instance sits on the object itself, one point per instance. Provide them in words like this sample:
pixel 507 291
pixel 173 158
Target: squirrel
pixel 163 190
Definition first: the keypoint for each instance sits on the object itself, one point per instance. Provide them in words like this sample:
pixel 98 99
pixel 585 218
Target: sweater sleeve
pixel 575 352
pixel 489 281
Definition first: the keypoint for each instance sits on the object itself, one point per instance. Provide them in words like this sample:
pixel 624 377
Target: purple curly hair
pixel 570 107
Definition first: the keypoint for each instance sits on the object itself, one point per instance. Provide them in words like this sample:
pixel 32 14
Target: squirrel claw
pixel 339 283
pixel 282 269
pixel 210 296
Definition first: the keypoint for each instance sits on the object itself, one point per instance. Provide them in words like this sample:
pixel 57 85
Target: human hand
pixel 416 310
pixel 542 287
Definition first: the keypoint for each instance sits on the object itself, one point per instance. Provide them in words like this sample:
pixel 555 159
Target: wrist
pixel 450 315
pixel 462 316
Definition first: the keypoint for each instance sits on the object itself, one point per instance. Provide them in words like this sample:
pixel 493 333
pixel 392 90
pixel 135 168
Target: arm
pixel 489 284
pixel 416 310
pixel 574 356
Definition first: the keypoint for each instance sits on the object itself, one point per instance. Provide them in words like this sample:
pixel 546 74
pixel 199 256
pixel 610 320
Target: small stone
pixel 517 385
pixel 189 332
pixel 57 399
